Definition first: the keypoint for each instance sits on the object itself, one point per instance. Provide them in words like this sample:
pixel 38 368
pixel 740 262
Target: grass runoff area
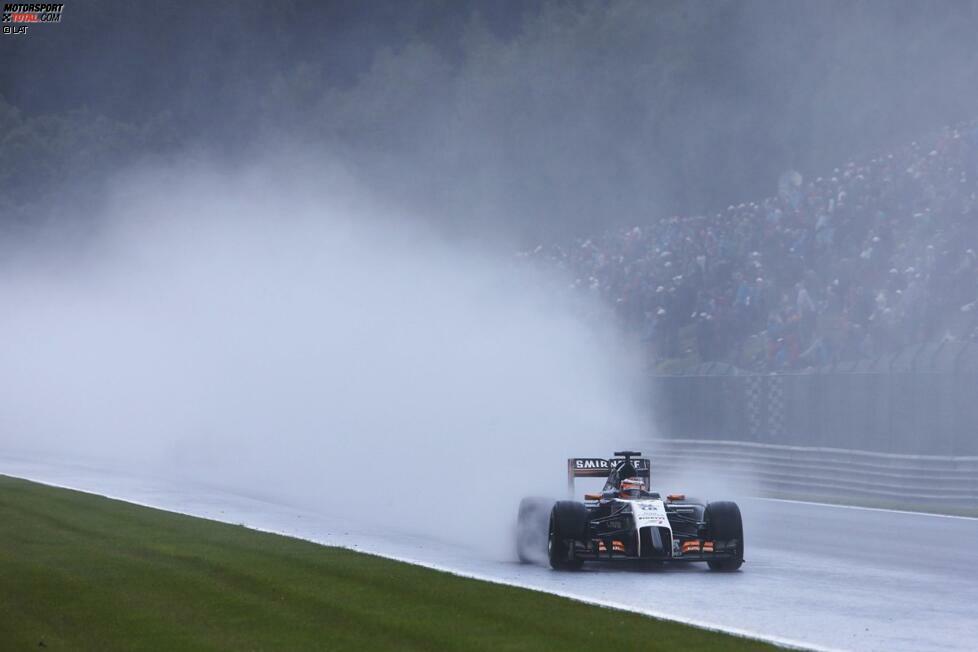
pixel 79 571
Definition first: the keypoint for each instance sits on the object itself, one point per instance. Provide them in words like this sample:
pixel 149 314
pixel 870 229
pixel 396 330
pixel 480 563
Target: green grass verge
pixel 79 571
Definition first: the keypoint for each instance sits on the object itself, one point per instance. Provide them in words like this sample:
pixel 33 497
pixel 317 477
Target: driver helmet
pixel 632 487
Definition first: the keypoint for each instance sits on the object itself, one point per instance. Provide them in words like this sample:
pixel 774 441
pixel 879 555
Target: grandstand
pixel 864 261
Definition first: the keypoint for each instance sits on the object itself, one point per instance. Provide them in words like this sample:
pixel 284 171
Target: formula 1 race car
pixel 626 521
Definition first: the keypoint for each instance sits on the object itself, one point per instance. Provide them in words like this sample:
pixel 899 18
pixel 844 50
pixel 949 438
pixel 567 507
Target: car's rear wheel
pixel 724 523
pixel 568 524
pixel 531 529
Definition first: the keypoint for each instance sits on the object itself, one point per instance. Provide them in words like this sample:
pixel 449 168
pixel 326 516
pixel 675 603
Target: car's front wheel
pixel 724 523
pixel 568 524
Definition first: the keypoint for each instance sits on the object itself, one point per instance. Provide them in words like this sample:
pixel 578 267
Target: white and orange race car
pixel 627 521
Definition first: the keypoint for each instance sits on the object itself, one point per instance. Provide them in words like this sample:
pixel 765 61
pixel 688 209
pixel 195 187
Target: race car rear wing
pixel 596 467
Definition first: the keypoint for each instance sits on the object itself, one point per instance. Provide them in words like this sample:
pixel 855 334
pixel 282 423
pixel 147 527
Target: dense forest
pixel 539 119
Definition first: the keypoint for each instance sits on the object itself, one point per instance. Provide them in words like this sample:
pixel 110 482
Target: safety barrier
pixel 922 400
pixel 916 481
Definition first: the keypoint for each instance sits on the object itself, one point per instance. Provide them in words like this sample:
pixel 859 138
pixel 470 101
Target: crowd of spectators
pixel 863 261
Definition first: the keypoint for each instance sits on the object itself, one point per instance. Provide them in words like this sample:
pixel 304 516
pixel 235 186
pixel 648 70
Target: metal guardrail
pixel 912 480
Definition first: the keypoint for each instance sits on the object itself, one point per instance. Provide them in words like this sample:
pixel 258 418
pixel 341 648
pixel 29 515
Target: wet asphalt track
pixel 817 576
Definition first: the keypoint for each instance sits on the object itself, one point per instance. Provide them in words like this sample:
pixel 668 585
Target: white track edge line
pixel 609 604
pixel 868 509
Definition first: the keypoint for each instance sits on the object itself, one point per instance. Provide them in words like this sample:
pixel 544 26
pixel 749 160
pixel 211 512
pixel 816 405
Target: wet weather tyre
pixel 531 529
pixel 568 523
pixel 723 523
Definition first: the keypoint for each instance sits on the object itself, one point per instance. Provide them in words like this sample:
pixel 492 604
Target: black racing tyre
pixel 531 529
pixel 568 523
pixel 723 523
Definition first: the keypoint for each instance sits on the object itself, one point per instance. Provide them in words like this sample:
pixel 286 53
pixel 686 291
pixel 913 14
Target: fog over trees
pixel 535 120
